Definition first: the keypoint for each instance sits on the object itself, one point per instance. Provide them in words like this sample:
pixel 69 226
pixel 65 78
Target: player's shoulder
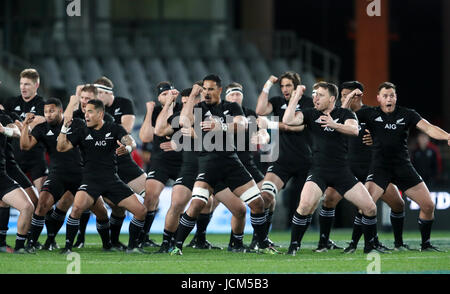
pixel 277 100
pixel 307 101
pixel 249 112
pixel 5 117
pixel 78 122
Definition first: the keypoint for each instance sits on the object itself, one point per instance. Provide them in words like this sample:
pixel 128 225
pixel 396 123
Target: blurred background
pixel 142 42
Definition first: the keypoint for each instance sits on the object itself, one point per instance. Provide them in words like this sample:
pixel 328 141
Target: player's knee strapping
pixel 200 194
pixel 270 188
pixel 251 194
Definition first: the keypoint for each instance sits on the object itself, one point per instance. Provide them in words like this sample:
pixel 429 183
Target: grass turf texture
pixel 193 261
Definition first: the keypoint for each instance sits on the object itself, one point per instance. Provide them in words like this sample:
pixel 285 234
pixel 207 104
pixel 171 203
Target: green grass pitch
pixel 195 261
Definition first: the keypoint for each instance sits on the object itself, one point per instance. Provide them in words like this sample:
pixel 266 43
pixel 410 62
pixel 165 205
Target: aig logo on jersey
pixel 391 126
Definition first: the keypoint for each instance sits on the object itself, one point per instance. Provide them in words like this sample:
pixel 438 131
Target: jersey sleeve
pixel 414 117
pixel 39 110
pixel 307 115
pixel 127 107
pixel 120 132
pixel 76 136
pixel 363 114
pixel 275 101
pixel 348 114
pixel 108 117
pixel 38 131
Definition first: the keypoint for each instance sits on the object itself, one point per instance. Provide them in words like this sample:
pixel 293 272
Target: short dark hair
pixel 332 88
pixel 186 92
pixel 386 85
pixel 90 88
pixel 98 104
pixel 56 101
pixel 105 82
pixel 214 78
pixel 293 76
pixel 352 85
pixel 234 85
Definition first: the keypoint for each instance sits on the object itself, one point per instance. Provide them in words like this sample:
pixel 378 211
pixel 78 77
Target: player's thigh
pixel 360 197
pixel 309 197
pixel 393 198
pixel 19 200
pixel 66 201
pixel 81 202
pixel 421 195
pixel 138 184
pixel 45 202
pixel 132 204
pixel 374 190
pixel 332 198
pixel 232 202
pixel 180 198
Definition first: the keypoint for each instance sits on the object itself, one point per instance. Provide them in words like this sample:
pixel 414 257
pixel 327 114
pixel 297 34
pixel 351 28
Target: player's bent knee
pixel 370 210
pixel 428 207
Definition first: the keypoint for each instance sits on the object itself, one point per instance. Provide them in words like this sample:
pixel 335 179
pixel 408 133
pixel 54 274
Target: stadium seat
pixel 156 70
pixel 52 73
pixel 91 69
pixel 72 74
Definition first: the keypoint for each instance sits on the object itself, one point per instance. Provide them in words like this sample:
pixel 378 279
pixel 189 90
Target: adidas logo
pixel 89 137
pixel 379 119
pixel 50 133
pixel 318 121
pixel 284 106
pixel 208 113
pixel 17 108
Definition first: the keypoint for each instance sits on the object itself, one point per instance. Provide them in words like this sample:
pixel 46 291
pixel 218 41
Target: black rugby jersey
pixel 358 152
pixel 98 148
pixel 390 133
pixel 120 106
pixel 63 162
pixel 224 111
pixel 295 147
pixel 20 107
pixel 157 153
pixel 330 147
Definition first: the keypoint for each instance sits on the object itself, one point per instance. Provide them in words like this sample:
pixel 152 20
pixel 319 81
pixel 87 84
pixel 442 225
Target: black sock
pixel 115 226
pixel 326 217
pixel 37 225
pixel 4 220
pixel 259 225
pixel 83 224
pixel 167 237
pixel 397 219
pixel 369 228
pixel 20 241
pixel 300 224
pixel 357 229
pixel 425 231
pixel 134 229
pixel 236 238
pixel 72 226
pixel 185 226
pixel 103 231
pixel 269 218
pixel 54 223
pixel 202 223
pixel 149 218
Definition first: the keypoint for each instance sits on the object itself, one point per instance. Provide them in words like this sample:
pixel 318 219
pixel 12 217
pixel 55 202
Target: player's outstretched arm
pixel 433 131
